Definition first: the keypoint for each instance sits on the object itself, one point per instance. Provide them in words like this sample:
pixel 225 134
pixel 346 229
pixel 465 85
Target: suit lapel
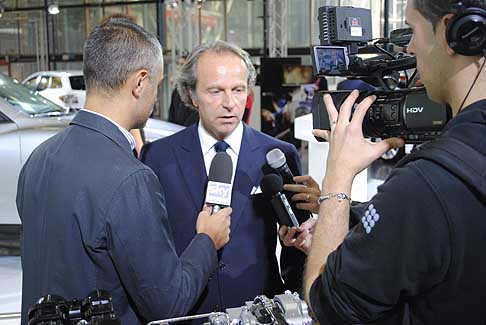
pixel 190 159
pixel 246 176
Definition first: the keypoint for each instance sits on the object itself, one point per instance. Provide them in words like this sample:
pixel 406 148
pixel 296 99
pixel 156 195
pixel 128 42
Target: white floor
pixel 10 288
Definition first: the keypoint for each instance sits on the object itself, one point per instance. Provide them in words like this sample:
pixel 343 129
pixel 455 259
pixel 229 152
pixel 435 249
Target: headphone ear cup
pixel 466 32
pixel 451 32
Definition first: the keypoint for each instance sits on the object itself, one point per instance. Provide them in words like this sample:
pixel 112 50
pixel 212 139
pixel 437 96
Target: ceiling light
pixel 53 9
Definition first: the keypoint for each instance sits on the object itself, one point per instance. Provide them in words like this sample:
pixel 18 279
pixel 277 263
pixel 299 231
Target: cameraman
pixel 417 255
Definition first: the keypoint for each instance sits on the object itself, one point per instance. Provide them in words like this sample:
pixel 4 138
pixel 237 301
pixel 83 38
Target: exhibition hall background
pixel 32 39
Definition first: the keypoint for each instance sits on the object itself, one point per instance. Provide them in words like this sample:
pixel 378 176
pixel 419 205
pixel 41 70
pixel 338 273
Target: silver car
pixel 26 120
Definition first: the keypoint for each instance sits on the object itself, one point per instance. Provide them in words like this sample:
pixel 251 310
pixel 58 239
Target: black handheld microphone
pixel 276 159
pixel 272 186
pixel 218 192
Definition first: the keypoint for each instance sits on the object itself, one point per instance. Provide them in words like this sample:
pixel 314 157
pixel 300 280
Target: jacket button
pixel 222 266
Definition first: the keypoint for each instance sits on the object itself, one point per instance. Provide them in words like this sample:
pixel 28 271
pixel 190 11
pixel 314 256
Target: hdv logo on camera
pixel 411 110
pixel 219 193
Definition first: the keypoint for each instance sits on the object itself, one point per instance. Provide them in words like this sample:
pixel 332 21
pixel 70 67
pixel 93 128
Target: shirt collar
pixel 128 136
pixel 208 141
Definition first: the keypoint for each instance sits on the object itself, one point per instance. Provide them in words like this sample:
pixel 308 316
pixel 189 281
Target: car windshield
pixel 25 99
pixel 77 83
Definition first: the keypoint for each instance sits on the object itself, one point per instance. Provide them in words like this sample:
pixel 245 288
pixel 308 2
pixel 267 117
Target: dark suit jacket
pixel 93 216
pixel 247 266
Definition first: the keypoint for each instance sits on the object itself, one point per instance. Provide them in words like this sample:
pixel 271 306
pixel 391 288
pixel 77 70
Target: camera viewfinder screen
pixel 330 58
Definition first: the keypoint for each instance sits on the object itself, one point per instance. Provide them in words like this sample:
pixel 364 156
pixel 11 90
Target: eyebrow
pixel 220 87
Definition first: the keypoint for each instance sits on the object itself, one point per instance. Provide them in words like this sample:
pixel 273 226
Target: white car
pixel 64 88
pixel 26 120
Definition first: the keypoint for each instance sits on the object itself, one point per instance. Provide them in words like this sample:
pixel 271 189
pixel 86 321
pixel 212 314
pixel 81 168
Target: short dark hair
pixel 115 49
pixel 434 10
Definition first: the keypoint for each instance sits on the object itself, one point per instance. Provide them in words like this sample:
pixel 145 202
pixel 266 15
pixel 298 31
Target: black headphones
pixel 466 32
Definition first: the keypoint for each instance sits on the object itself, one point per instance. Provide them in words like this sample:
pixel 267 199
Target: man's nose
pixel 229 100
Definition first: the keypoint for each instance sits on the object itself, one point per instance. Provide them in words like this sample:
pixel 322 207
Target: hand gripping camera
pixel 400 110
pixel 96 309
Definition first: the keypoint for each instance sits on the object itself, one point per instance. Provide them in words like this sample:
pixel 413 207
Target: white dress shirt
pixel 208 142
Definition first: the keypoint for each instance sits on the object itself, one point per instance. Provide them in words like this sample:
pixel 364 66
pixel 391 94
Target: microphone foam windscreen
pixel 221 169
pixel 271 184
pixel 276 158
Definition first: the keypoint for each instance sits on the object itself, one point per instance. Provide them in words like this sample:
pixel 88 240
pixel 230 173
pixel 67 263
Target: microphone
pixel 276 159
pixel 218 192
pixel 272 186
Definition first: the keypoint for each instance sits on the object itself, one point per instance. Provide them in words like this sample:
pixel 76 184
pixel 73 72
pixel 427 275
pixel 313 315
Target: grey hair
pixel 187 78
pixel 434 10
pixel 114 50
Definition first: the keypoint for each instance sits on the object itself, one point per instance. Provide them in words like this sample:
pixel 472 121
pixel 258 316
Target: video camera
pixel 95 309
pixel 400 109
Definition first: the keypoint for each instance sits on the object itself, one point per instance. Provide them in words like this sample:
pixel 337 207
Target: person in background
pixel 276 115
pixel 179 112
pixel 248 107
pixel 320 84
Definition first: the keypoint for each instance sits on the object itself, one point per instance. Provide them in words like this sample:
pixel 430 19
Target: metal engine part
pixel 283 309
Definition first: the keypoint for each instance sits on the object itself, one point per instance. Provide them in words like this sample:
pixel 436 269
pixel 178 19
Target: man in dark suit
pixel 93 216
pixel 215 80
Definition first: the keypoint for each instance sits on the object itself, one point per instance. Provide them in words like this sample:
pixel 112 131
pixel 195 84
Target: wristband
pixel 339 196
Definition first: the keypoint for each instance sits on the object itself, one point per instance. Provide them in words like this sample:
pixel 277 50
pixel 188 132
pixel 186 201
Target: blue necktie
pixel 221 146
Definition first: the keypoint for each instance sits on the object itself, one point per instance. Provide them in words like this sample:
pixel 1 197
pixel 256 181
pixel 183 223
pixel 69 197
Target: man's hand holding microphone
pixel 215 219
pixel 306 194
pixel 216 226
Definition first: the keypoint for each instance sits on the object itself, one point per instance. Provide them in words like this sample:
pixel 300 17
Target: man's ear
pixel 139 82
pixel 192 96
pixel 446 20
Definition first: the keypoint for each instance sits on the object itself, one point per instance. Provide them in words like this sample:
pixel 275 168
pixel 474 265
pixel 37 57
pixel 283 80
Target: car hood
pixel 155 129
pixel 55 122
